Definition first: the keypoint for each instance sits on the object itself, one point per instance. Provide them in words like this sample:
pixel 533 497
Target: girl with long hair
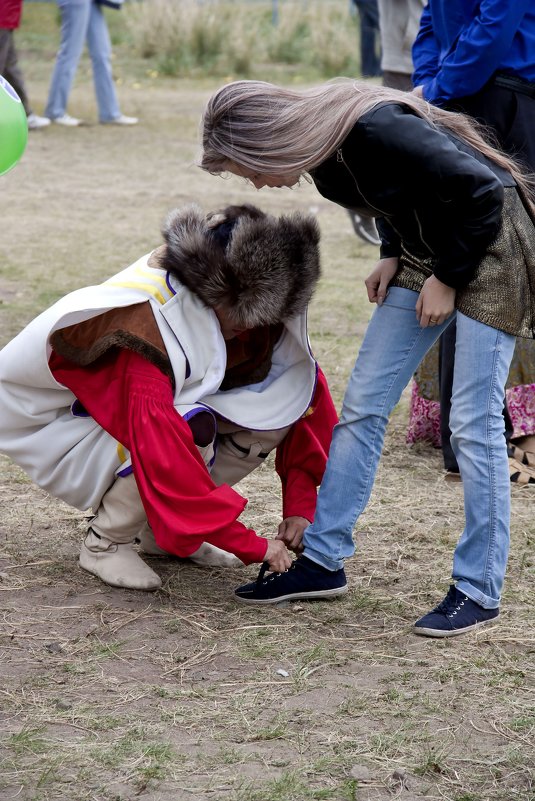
pixel 456 220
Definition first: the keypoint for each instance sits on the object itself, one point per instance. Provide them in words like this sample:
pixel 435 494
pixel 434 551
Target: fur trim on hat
pixel 267 271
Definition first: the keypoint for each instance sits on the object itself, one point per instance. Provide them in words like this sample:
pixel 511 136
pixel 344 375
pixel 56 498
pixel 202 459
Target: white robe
pixel 71 456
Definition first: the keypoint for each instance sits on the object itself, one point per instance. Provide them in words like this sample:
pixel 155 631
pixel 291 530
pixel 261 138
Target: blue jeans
pixel 392 349
pixel 81 21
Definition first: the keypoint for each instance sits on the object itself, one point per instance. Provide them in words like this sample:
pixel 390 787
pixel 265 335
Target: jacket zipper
pixel 340 159
pixel 421 234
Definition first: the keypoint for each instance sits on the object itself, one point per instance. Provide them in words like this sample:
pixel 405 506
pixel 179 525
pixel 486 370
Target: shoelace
pixel 263 571
pixel 449 606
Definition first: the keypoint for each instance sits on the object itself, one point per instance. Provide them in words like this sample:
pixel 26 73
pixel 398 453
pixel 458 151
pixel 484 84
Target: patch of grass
pixel 183 37
pixel 434 762
pixel 524 723
pixel 293 787
pixel 29 739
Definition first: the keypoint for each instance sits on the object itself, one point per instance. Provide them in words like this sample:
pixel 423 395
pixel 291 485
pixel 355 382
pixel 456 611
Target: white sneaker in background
pixel 121 120
pixel 67 120
pixel 35 122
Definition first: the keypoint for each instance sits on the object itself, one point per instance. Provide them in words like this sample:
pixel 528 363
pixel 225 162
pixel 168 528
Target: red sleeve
pixel 302 455
pixel 133 401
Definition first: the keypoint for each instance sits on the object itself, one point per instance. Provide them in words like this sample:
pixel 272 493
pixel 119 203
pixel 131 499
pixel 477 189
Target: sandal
pixel 520 473
pixel 526 447
pixel 515 452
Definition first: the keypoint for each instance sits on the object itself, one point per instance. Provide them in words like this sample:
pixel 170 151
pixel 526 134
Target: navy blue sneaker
pixel 304 580
pixel 454 615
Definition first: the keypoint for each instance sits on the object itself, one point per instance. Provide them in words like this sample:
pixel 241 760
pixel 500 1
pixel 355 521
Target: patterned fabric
pixel 500 293
pixel 424 412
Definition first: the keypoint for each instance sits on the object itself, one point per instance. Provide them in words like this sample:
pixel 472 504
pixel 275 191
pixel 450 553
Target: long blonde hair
pixel 273 130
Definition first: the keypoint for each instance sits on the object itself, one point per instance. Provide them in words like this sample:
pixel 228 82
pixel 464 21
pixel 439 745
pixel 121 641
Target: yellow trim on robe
pixel 150 290
pixel 130 281
pixel 121 453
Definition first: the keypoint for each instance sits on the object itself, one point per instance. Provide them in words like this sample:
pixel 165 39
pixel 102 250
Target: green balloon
pixel 13 127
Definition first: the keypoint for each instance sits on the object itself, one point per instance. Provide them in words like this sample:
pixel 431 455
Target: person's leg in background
pixel 11 71
pixel 9 68
pixel 370 55
pixel 370 67
pixel 99 44
pixel 510 114
pixel 74 22
pixel 397 80
pixel 446 361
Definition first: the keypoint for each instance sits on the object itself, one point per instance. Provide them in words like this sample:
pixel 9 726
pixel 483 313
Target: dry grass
pixel 110 695
pixel 187 38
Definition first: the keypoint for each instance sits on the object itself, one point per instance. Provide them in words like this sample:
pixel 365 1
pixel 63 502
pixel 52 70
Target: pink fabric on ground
pixel 424 415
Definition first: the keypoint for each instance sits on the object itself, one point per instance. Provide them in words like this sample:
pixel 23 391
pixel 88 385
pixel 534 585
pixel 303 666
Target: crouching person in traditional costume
pixel 146 397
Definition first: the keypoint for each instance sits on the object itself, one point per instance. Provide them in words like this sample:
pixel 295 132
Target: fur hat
pixel 260 268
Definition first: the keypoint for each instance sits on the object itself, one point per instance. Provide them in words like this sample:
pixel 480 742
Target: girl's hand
pixel 277 556
pixel 378 280
pixel 291 532
pixel 436 302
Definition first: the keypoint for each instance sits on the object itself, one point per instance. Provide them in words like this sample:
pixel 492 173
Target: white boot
pixel 211 556
pixel 206 556
pixel 116 564
pixel 147 543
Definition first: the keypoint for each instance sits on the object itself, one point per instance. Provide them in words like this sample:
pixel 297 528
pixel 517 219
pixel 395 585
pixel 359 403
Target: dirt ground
pixel 183 694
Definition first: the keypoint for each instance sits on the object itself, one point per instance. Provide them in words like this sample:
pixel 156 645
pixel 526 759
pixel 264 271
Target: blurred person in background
pixel 84 21
pixel 478 58
pixel 370 67
pixel 10 16
pixel 399 21
pixel 370 46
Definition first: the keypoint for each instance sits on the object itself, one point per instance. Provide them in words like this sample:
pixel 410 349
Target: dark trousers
pixel 510 115
pixel 370 49
pixel 397 80
pixel 9 67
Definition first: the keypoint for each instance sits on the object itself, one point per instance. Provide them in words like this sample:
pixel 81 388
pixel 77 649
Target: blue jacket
pixel 462 43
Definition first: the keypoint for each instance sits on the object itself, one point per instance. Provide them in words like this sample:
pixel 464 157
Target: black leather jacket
pixel 428 190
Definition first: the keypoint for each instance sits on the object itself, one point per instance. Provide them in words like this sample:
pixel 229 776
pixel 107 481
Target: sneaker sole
pixel 452 632
pixel 294 596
